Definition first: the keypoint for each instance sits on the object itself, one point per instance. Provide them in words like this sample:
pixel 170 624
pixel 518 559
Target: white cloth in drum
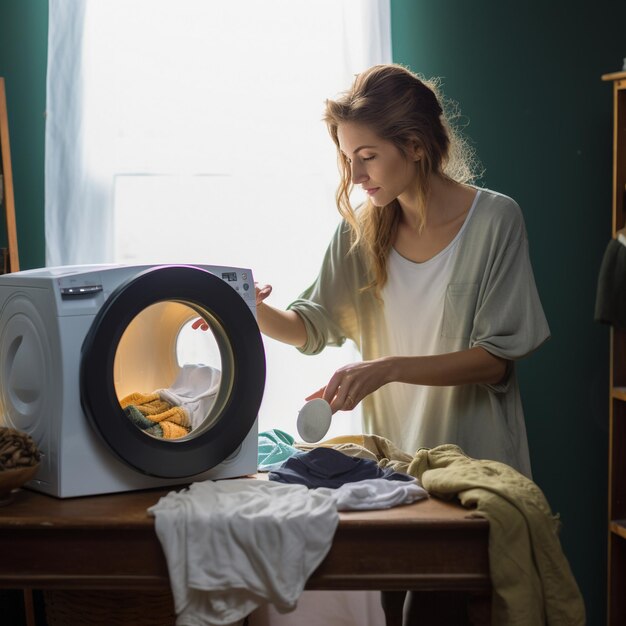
pixel 194 389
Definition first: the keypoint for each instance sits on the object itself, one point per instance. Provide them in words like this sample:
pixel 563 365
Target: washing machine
pixel 132 377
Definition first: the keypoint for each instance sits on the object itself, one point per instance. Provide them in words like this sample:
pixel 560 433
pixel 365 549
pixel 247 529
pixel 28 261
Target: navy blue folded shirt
pixel 325 467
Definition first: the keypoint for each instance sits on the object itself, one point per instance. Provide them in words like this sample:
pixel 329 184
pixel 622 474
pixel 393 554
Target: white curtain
pixel 189 131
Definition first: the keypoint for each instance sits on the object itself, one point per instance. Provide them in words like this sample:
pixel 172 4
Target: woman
pixel 430 278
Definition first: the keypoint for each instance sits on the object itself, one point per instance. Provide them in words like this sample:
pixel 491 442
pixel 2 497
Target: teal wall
pixel 23 55
pixel 527 77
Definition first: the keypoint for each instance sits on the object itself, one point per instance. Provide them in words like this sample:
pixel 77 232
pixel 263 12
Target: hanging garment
pixel 611 290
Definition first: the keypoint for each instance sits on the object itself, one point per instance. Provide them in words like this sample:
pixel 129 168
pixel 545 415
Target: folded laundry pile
pixel 326 467
pixel 532 579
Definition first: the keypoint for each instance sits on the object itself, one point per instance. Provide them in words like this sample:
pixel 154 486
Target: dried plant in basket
pixel 19 459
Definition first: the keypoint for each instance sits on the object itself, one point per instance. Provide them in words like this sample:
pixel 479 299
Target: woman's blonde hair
pixel 407 110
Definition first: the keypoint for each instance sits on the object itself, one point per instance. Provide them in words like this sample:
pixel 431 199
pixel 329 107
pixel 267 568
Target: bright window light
pixel 201 141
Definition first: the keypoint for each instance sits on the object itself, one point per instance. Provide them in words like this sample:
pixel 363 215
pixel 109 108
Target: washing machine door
pixel 241 386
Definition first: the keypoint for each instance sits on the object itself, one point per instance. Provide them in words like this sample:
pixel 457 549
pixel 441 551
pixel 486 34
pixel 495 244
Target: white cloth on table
pixel 345 608
pixel 375 493
pixel 234 545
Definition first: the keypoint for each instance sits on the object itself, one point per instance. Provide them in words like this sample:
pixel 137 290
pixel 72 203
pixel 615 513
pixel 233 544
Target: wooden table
pixel 109 542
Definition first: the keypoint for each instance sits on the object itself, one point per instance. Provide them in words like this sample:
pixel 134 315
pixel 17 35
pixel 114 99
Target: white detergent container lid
pixel 314 420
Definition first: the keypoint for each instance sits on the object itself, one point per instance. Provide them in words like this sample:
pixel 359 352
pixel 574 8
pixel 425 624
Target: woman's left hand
pixel 261 293
pixel 351 383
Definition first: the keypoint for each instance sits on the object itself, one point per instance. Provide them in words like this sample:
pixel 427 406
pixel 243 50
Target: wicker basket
pixel 109 608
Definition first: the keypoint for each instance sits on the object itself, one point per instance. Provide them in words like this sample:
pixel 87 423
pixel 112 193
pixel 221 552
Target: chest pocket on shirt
pixel 458 310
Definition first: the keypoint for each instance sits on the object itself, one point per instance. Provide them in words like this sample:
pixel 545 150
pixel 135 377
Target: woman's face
pixel 378 166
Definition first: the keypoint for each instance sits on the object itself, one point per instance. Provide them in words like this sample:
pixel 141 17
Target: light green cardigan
pixel 491 301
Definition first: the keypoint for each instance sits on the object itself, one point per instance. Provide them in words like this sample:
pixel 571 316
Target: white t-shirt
pixel 414 297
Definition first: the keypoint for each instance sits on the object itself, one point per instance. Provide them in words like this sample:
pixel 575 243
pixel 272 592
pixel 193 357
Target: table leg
pixel 479 610
pixel 393 606
pixel 29 607
pixel 436 608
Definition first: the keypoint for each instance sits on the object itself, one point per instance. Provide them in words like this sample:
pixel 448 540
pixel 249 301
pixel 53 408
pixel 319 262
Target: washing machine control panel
pixel 83 292
pixel 238 278
pixel 80 290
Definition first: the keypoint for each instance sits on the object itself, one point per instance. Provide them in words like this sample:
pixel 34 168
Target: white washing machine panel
pixel 75 340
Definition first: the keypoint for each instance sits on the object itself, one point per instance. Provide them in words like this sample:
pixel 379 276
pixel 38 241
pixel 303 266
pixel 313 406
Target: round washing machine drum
pixel 242 385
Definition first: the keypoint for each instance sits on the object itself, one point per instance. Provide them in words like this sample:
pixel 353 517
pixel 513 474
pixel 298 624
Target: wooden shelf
pixel 616 582
pixel 614 75
pixel 7 200
pixel 618 527
pixel 619 393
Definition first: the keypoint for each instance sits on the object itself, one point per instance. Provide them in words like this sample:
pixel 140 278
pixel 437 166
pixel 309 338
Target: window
pixel 191 131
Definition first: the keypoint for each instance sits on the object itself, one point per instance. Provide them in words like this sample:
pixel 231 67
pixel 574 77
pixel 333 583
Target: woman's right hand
pixel 351 383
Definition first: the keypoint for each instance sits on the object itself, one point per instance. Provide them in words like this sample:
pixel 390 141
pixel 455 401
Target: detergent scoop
pixel 314 420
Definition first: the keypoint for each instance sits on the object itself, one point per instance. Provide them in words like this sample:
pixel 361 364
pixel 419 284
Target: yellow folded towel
pixel 173 420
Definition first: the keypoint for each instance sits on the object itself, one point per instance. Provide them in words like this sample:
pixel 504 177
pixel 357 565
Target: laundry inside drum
pixel 173 370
